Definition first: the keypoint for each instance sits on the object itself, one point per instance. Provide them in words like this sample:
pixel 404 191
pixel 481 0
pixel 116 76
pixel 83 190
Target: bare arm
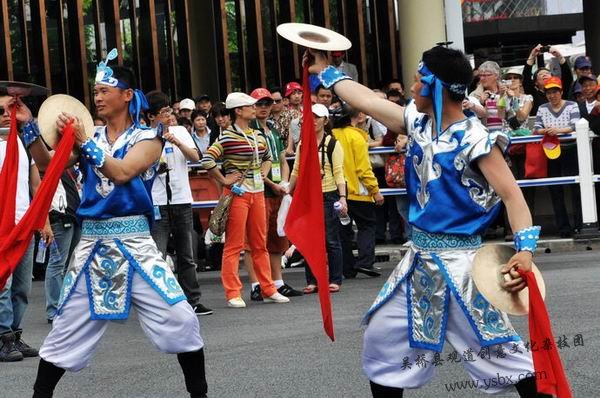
pixel 139 159
pixel 497 173
pixel 360 97
pixel 42 156
pixel 190 153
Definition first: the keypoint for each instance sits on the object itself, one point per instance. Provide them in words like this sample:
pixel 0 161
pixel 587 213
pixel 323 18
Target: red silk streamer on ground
pixel 305 224
pixel 547 361
pixel 14 243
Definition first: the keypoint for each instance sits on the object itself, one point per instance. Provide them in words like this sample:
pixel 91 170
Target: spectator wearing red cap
pixel 558 116
pixel 293 94
pixel 275 189
pixel 349 69
pixel 293 117
pixel 534 84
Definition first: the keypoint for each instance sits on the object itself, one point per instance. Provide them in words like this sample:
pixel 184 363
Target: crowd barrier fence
pixel 586 178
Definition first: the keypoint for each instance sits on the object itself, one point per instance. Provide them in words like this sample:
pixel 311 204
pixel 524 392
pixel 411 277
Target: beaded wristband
pixel 30 132
pixel 93 154
pixel 526 239
pixel 330 76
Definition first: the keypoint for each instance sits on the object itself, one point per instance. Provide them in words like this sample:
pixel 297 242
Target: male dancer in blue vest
pixel 117 265
pixel 456 177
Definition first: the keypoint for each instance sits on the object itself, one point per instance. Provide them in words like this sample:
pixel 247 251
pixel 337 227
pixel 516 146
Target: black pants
pixel 363 213
pixel 565 165
pixel 177 220
pixel 387 214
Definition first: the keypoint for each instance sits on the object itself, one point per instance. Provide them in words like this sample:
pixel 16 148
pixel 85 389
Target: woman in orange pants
pixel 243 149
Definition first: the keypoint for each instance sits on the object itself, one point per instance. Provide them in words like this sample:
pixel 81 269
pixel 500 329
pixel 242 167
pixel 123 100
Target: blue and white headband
pixel 433 88
pixel 104 76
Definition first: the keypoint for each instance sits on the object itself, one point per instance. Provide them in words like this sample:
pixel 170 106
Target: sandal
pixel 334 288
pixel 310 289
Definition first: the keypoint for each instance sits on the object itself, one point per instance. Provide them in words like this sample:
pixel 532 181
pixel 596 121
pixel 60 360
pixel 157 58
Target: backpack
pixel 328 151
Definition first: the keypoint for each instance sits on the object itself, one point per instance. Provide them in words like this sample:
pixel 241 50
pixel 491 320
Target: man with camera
pixel 534 84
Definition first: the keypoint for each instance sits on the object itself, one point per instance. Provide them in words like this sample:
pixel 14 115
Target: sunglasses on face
pixel 264 103
pixel 277 101
pixel 2 111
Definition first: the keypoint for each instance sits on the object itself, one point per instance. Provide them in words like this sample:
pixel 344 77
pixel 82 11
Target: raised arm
pixel 358 96
pixel 139 159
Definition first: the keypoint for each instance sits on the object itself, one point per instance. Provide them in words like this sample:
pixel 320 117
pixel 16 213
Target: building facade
pixel 185 47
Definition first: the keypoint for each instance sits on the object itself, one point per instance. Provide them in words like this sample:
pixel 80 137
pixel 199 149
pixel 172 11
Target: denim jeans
pixel 333 241
pixel 64 236
pixel 363 213
pixel 14 296
pixel 177 220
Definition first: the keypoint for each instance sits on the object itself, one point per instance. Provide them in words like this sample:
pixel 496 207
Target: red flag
pixel 15 239
pixel 305 223
pixel 546 360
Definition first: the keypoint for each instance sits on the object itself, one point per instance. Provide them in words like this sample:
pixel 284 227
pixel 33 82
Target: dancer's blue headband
pixel 432 88
pixel 104 76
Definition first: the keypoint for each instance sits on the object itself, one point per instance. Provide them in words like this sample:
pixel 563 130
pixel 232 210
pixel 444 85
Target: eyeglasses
pixel 1 111
pixel 277 101
pixel 485 75
pixel 166 111
pixel 266 103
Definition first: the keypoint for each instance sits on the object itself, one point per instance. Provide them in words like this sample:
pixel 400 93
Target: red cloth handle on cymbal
pixel 547 361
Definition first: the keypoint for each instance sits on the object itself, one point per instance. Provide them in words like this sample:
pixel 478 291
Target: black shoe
pixel 201 310
pixel 350 276
pixel 23 347
pixel 368 271
pixel 8 349
pixel 289 291
pixel 256 294
pixel 50 321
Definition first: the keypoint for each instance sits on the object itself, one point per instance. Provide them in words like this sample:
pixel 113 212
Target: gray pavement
pixel 270 350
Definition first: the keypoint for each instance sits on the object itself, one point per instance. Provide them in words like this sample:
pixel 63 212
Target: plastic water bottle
pixel 55 256
pixel 41 252
pixel 344 219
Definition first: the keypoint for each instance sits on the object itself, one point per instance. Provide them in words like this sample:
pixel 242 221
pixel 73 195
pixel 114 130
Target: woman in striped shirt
pixel 246 160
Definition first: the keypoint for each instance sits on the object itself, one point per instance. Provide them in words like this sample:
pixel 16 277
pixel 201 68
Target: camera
pixel 545 49
pixel 507 83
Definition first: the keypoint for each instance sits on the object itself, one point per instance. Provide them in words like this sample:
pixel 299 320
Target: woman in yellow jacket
pixel 363 195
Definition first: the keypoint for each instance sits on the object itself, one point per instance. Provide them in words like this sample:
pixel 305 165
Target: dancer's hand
pixel 24 115
pixel 523 261
pixel 64 119
pixel 317 61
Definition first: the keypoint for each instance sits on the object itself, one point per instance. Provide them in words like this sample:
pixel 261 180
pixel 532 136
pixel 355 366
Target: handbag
pixel 394 171
pixel 217 223
pixel 536 162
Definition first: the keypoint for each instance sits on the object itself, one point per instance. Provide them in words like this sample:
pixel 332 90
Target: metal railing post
pixel 586 182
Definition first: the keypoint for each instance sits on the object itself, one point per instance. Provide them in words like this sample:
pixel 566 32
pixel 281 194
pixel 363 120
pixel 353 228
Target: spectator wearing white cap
pixel 186 107
pixel 246 160
pixel 333 186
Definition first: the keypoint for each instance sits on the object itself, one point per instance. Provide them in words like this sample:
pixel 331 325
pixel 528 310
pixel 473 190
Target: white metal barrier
pixel 585 179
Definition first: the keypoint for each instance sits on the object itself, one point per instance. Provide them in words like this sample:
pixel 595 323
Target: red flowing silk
pixel 305 223
pixel 15 239
pixel 546 362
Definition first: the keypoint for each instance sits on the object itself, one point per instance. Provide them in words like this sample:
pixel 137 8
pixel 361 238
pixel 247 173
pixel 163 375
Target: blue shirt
pixel 446 190
pixel 101 197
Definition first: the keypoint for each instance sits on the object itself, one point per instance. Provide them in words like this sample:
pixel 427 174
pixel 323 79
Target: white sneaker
pixel 236 302
pixel 277 298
